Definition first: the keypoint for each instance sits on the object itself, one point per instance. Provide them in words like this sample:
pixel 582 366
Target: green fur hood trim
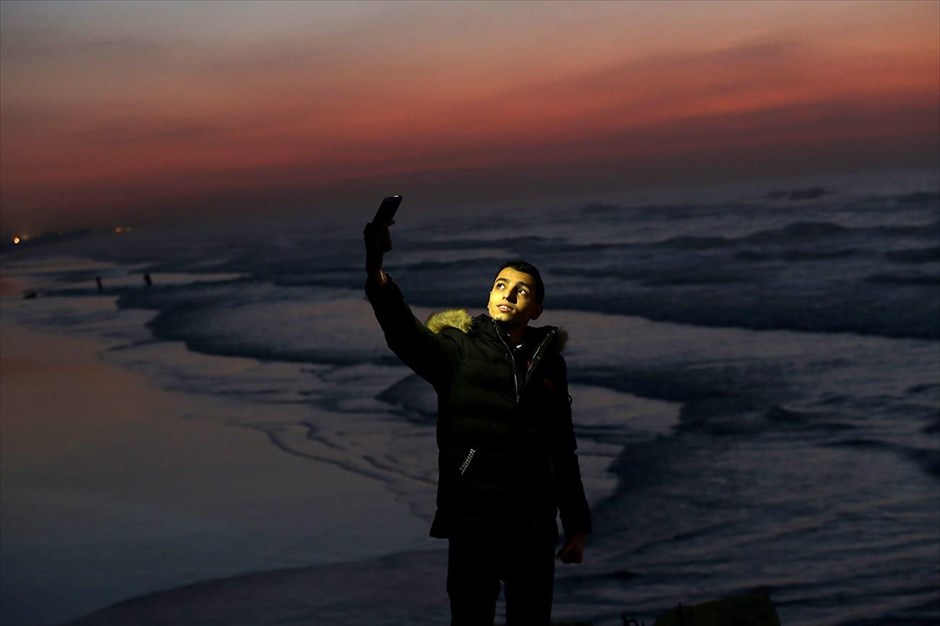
pixel 462 321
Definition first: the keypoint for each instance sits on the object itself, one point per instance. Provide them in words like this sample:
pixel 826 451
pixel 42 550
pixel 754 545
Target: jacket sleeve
pixel 572 502
pixel 431 356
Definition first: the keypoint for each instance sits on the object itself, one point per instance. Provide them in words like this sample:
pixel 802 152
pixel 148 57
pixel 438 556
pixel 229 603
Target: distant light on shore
pixel 22 239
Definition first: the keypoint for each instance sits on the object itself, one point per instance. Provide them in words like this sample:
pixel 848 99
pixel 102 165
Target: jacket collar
pixel 467 324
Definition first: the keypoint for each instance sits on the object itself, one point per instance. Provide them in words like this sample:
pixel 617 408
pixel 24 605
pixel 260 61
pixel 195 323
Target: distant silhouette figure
pixel 147 280
pixel 98 281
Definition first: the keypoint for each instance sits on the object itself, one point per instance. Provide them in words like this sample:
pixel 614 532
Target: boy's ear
pixel 537 312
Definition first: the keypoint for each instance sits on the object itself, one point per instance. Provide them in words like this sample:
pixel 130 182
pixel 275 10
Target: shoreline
pixel 390 590
pixel 113 488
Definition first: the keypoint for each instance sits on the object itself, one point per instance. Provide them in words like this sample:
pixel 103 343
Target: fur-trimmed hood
pixel 451 318
pixel 463 321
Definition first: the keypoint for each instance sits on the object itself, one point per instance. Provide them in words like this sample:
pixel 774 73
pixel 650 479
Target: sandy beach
pixel 113 489
pixel 400 589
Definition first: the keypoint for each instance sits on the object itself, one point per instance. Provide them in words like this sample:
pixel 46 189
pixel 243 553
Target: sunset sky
pixel 119 112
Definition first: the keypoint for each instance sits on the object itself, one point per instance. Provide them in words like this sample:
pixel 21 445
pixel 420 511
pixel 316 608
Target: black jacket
pixel 506 445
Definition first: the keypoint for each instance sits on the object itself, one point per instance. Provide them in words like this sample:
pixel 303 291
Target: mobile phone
pixel 387 209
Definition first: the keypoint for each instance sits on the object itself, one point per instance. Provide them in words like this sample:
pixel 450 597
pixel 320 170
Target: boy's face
pixel 512 298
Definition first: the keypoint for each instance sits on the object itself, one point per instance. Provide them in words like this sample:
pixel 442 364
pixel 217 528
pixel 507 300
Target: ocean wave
pixel 914 315
pixel 926 458
pixel 799 231
pixel 798 255
pixel 920 198
pixel 929 230
pixel 793 419
pixel 914 255
pixel 701 275
pixel 412 396
pixel 905 279
pixel 258 320
pixel 695 243
pixel 809 193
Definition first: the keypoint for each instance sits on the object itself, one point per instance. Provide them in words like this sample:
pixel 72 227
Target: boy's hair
pixel 526 268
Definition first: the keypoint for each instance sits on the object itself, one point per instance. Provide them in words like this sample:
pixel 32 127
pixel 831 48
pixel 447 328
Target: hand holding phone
pixel 377 238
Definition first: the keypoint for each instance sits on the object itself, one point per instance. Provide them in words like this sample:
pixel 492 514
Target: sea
pixel 755 374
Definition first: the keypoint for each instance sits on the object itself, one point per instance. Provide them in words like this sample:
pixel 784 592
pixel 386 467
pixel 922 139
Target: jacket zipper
pixel 512 359
pixel 536 357
pixel 466 462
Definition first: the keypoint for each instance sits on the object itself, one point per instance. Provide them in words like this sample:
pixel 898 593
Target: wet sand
pixel 389 591
pixel 113 489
